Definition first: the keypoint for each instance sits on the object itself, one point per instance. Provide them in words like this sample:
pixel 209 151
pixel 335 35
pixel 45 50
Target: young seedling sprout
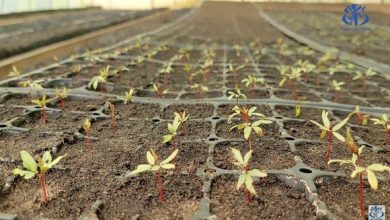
pixel 238 49
pixel 33 85
pixel 15 72
pixel 111 106
pixel 158 91
pixel 298 108
pixel 188 69
pixel 336 86
pixel 252 81
pixel 62 95
pixel 245 113
pixel 234 70
pixel 201 89
pixel 172 128
pixel 361 119
pixel 166 70
pixel 182 117
pixel 249 127
pixel 40 169
pixel 384 122
pixel 364 76
pixel 42 103
pixel 361 170
pixel 128 96
pixel 87 129
pixel 154 165
pixel 205 68
pixel 247 174
pixel 236 93
pixel 289 76
pixel 102 77
pixel 327 128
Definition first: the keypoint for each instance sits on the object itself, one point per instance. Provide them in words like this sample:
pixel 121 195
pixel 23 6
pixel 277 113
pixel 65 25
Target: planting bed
pixel 20 37
pixel 99 184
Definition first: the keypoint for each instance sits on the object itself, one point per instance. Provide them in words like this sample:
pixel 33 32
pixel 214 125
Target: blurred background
pixel 8 6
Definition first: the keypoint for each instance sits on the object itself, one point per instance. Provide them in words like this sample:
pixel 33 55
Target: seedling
pixel 249 127
pixel 102 77
pixel 252 80
pixel 247 174
pixel 172 128
pixel 236 93
pixel 290 76
pixel 182 117
pixel 238 49
pixel 62 95
pixel 186 52
pixel 305 66
pixel 384 122
pixel 167 69
pixel 245 113
pixel 154 165
pixel 361 170
pixel 87 129
pixel 364 77
pixel 327 128
pixel 234 70
pixel 361 119
pixel 298 108
pixel 15 72
pixel 337 87
pixel 159 91
pixel 111 106
pixel 32 166
pixel 76 68
pixel 33 85
pixel 205 68
pixel 188 69
pixel 128 96
pixel 41 103
pixel 201 89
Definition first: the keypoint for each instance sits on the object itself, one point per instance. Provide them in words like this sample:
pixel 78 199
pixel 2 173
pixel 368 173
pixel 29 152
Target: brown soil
pixel 228 203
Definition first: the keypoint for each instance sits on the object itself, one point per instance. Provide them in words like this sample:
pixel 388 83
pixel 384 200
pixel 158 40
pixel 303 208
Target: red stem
pixel 43 186
pixel 89 146
pixel 160 187
pixel 248 197
pixel 329 144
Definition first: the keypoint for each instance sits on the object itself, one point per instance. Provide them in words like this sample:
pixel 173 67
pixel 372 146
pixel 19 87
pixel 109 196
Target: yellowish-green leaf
pixel 241 180
pixel 150 158
pixel 372 180
pixel 170 157
pixel 28 161
pixel 23 173
pixel 237 155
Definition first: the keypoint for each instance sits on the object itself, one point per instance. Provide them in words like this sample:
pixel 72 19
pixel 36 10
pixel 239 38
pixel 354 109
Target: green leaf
pixel 256 172
pixel 339 136
pixel 155 168
pixel 28 161
pixel 372 180
pixel 325 119
pixel 54 162
pixel 339 161
pixel 241 180
pixel 340 125
pixel 378 167
pixel 168 166
pixel 141 168
pixel 247 132
pixel 167 138
pixel 150 158
pixel 170 157
pixel 237 155
pixel 248 156
pixel 249 185
pixel 357 171
pixel 23 173
pixel 47 157
pixel 319 125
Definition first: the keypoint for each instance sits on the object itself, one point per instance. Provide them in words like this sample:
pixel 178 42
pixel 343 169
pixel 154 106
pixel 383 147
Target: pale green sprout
pixel 252 80
pixel 153 163
pixel 369 170
pixel 36 84
pixel 326 127
pixel 236 94
pixel 201 88
pixel 172 128
pixel 233 69
pixel 102 77
pixel 31 165
pixel 245 113
pixel 283 70
pixel 182 117
pixel 298 108
pixel 238 49
pixel 306 66
pixel 15 72
pixel 384 122
pixel 365 75
pixel 249 127
pixel 337 86
pixel 167 68
pixel 246 175
pixel 41 103
pixel 159 92
pixel 128 96
pixel 62 94
pixel 295 73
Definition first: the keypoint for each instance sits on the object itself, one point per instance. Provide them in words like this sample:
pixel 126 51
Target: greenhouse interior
pixel 194 109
